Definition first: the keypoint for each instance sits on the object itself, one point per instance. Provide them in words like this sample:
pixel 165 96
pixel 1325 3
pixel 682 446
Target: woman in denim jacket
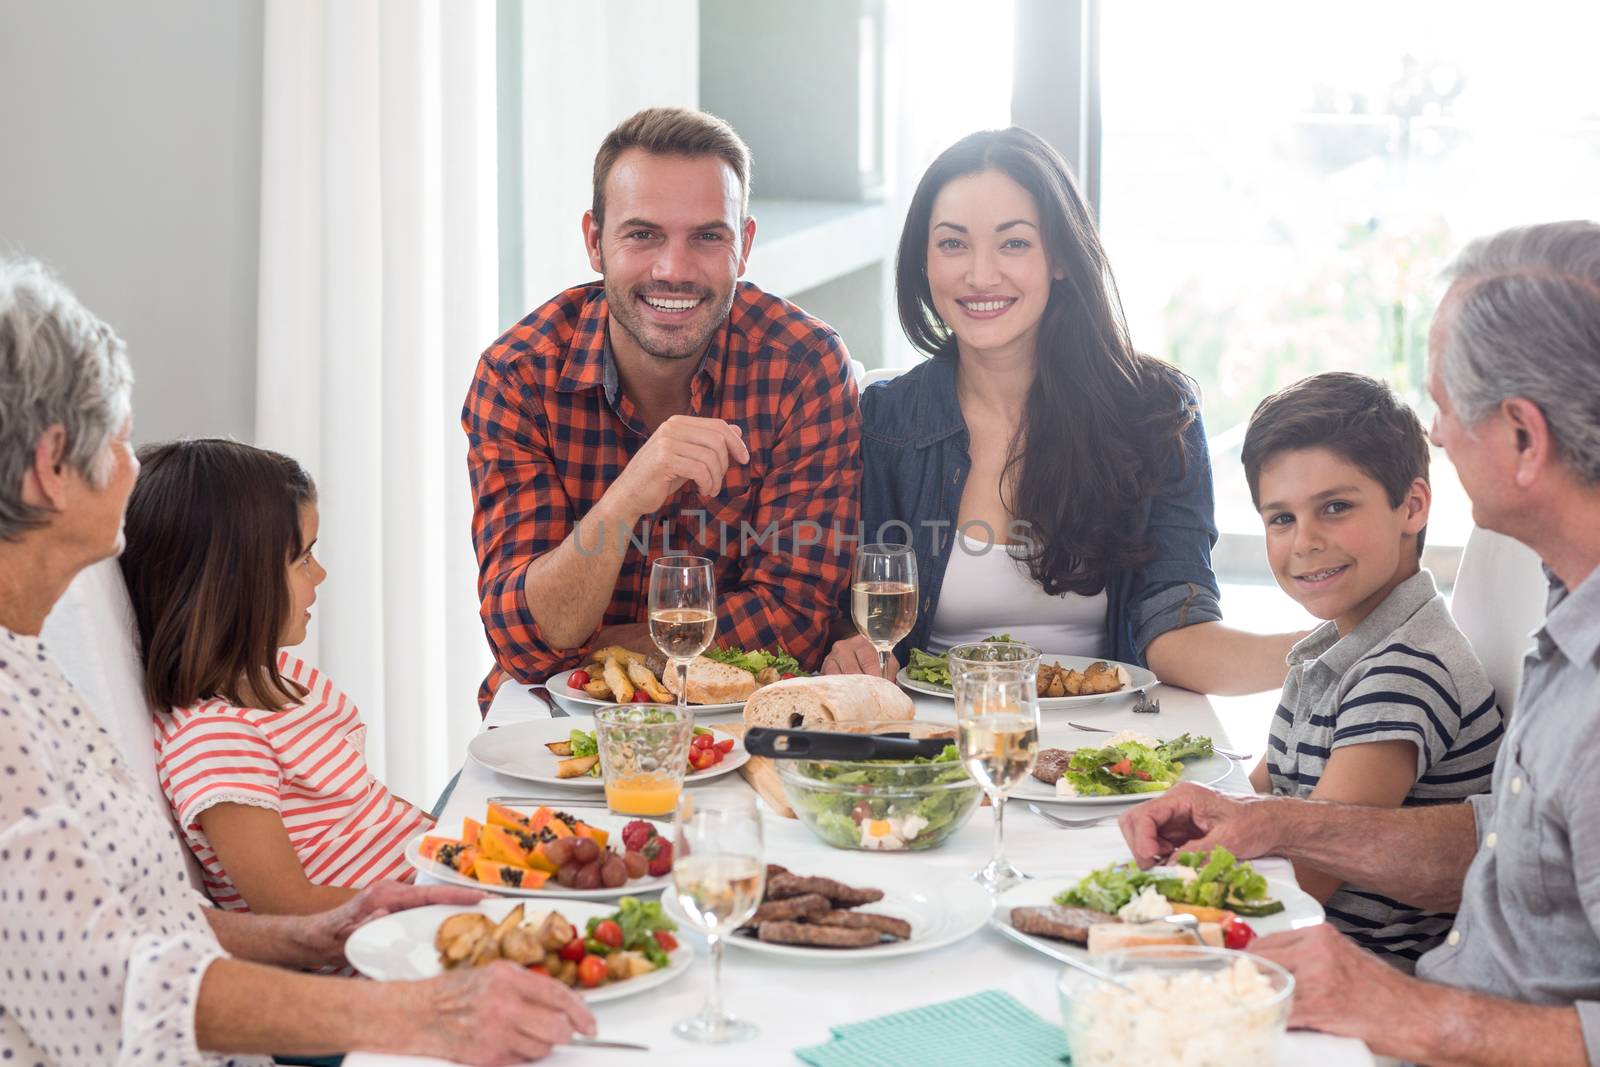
pixel 1054 484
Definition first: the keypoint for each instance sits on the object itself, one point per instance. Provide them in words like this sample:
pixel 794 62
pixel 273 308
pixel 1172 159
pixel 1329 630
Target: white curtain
pixel 377 293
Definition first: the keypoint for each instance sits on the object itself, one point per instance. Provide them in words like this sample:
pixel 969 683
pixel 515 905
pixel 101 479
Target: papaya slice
pixel 500 845
pixel 598 836
pixel 469 831
pixel 500 815
pixel 491 873
pixel 541 818
pixel 465 860
pixel 429 849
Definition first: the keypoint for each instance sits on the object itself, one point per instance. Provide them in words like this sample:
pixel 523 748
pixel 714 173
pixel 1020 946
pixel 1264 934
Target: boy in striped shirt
pixel 1385 704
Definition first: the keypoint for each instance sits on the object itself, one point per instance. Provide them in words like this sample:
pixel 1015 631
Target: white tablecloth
pixel 795 1004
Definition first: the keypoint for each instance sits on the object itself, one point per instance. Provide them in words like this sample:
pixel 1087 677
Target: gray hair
pixel 1528 325
pixel 59 366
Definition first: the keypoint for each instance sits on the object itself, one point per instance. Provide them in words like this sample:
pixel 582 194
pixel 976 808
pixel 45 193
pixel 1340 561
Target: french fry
pixel 598 689
pixel 617 679
pixel 576 767
pixel 626 655
pixel 641 676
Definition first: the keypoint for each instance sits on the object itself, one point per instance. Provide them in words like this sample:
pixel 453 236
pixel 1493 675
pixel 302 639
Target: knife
pixel 816 744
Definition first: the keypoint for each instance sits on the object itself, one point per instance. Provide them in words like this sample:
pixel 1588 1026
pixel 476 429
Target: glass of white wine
pixel 718 877
pixel 996 687
pixel 883 597
pixel 683 612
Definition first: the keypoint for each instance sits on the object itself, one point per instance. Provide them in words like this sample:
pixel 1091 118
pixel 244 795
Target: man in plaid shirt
pixel 667 409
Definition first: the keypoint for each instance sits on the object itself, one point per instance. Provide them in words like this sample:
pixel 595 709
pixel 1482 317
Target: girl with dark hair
pixel 1053 483
pixel 259 755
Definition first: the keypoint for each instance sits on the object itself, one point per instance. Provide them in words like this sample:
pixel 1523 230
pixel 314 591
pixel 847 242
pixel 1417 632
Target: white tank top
pixel 988 591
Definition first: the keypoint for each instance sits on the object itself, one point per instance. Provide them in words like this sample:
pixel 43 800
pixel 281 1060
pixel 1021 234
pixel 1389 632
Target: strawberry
pixel 636 833
pixel 658 850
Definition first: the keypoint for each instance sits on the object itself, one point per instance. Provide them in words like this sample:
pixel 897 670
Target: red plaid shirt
pixel 549 431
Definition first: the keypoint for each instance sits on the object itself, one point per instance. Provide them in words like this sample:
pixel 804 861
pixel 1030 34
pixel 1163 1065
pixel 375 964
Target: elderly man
pixel 667 408
pixel 1515 371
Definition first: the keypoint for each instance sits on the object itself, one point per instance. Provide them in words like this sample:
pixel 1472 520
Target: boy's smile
pixel 1335 542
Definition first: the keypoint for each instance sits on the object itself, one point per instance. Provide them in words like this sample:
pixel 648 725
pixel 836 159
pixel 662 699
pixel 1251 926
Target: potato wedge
pixel 626 655
pixel 576 767
pixel 640 676
pixel 598 689
pixel 617 679
pixel 560 748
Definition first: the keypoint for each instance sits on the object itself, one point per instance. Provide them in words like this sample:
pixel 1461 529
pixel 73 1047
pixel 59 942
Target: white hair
pixel 59 366
pixel 1528 325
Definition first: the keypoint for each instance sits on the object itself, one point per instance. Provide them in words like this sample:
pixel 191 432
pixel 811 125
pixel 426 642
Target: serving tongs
pixel 819 745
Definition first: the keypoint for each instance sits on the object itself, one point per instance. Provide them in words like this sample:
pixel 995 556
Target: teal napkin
pixel 987 1027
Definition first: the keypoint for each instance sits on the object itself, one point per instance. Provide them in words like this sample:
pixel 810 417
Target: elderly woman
pixel 109 955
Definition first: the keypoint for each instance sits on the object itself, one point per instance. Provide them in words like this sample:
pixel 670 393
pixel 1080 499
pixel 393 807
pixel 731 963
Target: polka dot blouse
pixel 102 940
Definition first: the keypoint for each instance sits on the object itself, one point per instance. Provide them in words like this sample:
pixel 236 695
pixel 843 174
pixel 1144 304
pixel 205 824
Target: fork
pixel 1240 756
pixel 1070 824
pixel 1143 705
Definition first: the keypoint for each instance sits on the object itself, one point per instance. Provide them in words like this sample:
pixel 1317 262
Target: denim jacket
pixel 914 452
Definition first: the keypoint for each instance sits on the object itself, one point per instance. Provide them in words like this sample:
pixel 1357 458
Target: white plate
pixel 399 947
pixel 939 917
pixel 577 698
pixel 1208 771
pixel 610 823
pixel 518 750
pixel 1300 909
pixel 1139 678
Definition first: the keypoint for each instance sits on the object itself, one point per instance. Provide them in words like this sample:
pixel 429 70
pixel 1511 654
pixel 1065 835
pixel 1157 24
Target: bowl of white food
pixel 1185 1007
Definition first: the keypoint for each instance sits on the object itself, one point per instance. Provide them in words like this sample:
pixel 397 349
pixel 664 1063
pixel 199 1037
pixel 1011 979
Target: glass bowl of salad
pixel 882 805
pixel 1201 1007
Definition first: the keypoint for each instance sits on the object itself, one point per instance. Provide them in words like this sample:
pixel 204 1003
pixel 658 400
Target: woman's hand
pixel 327 931
pixel 855 655
pixel 497 1014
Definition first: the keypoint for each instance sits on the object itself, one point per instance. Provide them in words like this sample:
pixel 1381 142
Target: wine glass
pixel 883 597
pixel 996 687
pixel 718 876
pixel 683 612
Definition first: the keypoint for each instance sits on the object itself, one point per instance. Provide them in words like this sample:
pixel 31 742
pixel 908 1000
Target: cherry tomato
pixel 1238 934
pixel 667 942
pixel 791 674
pixel 861 812
pixel 724 746
pixel 592 971
pixel 641 697
pixel 539 968
pixel 578 679
pixel 701 741
pixel 1121 767
pixel 573 950
pixel 699 760
pixel 609 934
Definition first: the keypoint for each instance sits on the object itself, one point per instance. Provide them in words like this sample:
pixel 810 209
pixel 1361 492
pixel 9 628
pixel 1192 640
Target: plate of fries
pixel 617 676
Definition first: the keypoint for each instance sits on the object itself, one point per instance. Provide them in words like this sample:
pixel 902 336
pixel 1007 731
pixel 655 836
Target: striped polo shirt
pixel 1405 673
pixel 307 763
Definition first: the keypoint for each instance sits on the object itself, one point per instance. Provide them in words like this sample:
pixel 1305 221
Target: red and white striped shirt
pixel 306 762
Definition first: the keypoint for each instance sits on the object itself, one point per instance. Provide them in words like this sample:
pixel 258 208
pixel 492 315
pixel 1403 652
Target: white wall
pixel 130 146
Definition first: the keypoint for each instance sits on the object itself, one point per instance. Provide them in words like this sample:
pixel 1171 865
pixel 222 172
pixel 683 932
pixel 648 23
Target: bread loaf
pixel 818 703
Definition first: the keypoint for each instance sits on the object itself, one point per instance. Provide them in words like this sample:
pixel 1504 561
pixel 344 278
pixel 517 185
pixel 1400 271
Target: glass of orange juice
pixel 644 754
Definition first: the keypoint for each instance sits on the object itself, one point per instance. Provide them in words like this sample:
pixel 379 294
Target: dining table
pixel 794 1002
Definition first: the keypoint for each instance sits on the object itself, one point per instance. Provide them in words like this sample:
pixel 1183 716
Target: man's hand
pixel 682 449
pixel 1340 988
pixel 855 655
pixel 497 1014
pixel 1192 817
pixel 327 931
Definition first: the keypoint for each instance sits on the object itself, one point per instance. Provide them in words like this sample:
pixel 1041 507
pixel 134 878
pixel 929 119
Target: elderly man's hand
pixel 1341 988
pixel 327 931
pixel 1189 816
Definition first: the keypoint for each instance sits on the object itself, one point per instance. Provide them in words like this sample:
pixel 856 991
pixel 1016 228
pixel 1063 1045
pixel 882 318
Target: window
pixel 1282 185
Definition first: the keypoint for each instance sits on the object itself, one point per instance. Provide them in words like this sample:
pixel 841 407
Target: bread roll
pixel 818 703
pixel 711 682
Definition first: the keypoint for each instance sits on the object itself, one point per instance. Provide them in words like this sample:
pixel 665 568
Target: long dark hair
pixel 212 525
pixel 1103 425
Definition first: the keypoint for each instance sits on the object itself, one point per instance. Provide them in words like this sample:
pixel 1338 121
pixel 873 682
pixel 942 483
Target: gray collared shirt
pixel 1404 673
pixel 1529 923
